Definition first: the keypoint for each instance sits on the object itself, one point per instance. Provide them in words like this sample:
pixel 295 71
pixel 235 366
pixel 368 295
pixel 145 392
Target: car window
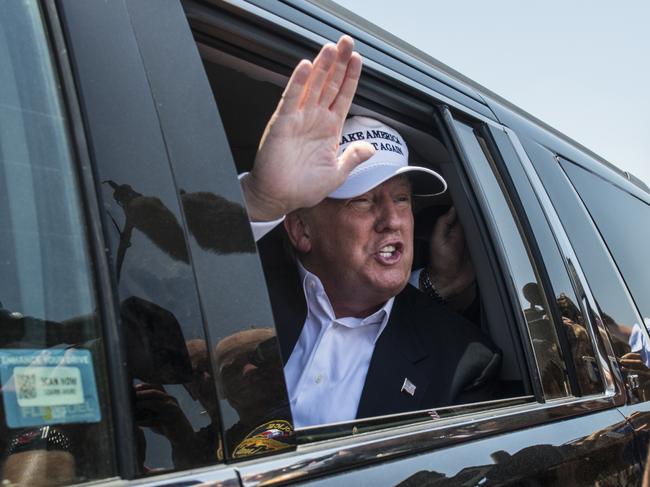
pixel 195 319
pixel 246 94
pixel 617 215
pixel 574 335
pixel 615 307
pixel 253 404
pixel 56 423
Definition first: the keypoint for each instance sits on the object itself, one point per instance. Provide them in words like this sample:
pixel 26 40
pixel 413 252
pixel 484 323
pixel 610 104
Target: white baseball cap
pixel 389 160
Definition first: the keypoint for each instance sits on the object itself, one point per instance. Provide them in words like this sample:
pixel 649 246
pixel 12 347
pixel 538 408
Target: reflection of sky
pixel 579 66
pixel 43 238
pixel 520 264
pixel 162 280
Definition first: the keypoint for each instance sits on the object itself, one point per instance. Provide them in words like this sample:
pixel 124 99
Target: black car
pixel 137 338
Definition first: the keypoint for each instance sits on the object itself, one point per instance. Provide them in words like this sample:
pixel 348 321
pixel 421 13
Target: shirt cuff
pixel 261 228
pixel 414 279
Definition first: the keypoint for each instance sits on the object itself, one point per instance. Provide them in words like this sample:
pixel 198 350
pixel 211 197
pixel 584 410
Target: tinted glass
pixel 173 394
pixel 530 295
pixel 195 313
pixel 573 333
pixel 616 309
pixel 254 407
pixel 624 222
pixel 55 424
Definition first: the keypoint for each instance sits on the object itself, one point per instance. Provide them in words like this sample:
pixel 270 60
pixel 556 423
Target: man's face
pixel 362 248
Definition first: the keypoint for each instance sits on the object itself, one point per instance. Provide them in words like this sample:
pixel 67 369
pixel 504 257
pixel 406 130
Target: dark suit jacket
pixel 447 358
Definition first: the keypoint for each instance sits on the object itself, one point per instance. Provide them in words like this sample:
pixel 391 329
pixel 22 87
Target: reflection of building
pixel 581 462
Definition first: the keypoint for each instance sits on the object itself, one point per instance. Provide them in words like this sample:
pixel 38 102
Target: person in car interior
pixel 357 341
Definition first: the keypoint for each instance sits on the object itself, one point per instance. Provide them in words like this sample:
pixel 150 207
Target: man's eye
pixel 361 203
pixel 405 199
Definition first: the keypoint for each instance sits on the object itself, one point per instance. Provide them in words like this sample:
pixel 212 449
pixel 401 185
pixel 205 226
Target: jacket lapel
pixel 285 291
pixel 398 357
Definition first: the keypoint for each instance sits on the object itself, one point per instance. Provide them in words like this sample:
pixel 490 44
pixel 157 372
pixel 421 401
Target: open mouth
pixel 390 253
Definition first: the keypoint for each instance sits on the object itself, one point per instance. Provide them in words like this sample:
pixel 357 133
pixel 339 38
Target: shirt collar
pixel 319 306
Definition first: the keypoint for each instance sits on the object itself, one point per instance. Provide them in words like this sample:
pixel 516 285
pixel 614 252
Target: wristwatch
pixel 428 288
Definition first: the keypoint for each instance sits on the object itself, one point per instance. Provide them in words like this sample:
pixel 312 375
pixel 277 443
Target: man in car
pixel 356 339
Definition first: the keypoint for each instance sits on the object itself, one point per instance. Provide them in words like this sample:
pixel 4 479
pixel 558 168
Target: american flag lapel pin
pixel 408 387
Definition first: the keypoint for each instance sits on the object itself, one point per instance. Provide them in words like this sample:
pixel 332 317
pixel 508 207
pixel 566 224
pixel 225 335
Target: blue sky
pixel 581 66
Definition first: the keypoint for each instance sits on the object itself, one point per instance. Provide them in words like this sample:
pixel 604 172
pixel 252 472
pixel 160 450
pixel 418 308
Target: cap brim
pixel 426 182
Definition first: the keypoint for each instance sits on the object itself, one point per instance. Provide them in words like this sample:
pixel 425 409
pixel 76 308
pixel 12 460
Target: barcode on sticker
pixel 26 386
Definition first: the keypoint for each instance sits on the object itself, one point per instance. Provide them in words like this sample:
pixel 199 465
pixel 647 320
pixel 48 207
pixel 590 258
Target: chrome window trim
pixel 220 475
pixel 227 476
pixel 329 456
pixel 607 358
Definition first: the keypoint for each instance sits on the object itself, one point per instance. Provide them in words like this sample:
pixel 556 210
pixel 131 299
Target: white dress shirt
pixel 327 369
pixel 261 228
pixel 414 279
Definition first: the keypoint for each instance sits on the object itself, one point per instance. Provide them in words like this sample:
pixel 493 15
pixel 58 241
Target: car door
pixel 149 269
pixel 600 208
pixel 569 433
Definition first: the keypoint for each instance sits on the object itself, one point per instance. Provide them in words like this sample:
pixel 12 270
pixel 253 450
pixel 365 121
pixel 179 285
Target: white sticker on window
pixel 48 386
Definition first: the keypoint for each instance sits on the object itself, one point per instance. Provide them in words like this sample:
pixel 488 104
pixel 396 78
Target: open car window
pixel 247 92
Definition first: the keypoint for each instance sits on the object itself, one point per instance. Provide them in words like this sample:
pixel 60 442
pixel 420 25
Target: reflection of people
pixel 250 372
pixel 637 360
pixel 251 379
pixel 604 457
pixel 40 456
pixel 640 343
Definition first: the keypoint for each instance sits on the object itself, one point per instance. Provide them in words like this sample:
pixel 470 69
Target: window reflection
pixel 251 381
pixel 174 388
pixel 615 307
pixel 584 461
pixel 532 300
pixel 250 373
pixel 208 216
pixel 619 216
pixel 55 426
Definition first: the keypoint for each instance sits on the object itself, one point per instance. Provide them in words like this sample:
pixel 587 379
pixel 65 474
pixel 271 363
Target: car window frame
pixel 375 80
pixel 555 265
pixel 100 223
pixel 390 442
pixel 92 232
pixel 457 122
pixel 614 387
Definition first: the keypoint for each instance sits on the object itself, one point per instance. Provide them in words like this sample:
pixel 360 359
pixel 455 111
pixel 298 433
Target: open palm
pixel 296 165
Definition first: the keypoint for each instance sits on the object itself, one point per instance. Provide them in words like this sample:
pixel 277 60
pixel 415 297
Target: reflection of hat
pixel 390 159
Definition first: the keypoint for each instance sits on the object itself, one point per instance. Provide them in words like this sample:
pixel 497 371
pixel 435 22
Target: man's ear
pixel 298 231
